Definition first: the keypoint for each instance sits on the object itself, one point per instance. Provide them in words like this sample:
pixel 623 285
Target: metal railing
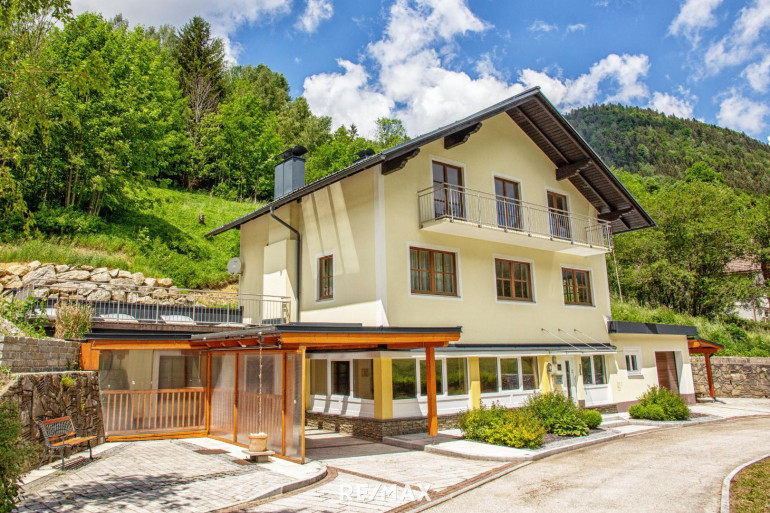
pixel 446 201
pixel 156 305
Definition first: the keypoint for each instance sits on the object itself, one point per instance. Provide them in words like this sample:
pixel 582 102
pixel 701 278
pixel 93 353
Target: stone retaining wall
pixel 25 354
pixel 733 376
pixel 376 429
pixel 57 394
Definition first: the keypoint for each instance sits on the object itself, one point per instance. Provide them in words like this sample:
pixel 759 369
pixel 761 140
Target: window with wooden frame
pixel 326 277
pixel 433 272
pixel 514 280
pixel 577 287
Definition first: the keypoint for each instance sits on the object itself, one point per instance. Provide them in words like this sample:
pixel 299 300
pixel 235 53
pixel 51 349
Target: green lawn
pixel 750 489
pixel 158 234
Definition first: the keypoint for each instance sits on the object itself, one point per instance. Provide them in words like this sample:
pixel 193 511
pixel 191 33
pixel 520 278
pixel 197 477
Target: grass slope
pixel 157 233
pixel 740 338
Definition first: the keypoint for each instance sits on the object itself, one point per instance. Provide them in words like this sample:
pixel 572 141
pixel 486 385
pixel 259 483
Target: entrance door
pixel 559 216
pixel 668 377
pixel 508 208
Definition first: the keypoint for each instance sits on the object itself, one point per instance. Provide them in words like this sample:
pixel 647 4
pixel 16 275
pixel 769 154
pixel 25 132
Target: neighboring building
pixel 498 223
pixel 759 308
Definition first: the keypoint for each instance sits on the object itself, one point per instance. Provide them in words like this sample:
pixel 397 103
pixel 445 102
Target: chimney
pixel 290 172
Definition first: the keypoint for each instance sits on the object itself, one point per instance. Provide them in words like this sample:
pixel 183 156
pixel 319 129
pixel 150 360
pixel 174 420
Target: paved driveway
pixel 678 469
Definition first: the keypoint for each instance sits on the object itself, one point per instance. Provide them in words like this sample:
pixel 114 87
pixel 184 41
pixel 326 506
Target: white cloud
pixel 740 113
pixel 316 11
pixel 742 42
pixel 575 27
pixel 694 16
pixel 225 16
pixel 672 105
pixel 758 74
pixel 541 26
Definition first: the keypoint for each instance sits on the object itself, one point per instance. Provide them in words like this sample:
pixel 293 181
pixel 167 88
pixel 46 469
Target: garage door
pixel 668 377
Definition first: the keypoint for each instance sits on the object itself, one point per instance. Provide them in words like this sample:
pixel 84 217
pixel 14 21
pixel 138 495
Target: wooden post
pixel 235 400
pixel 430 380
pixel 707 356
pixel 208 392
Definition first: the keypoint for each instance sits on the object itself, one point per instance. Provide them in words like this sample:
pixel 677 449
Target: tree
pixel 390 132
pixel 702 172
pixel 15 456
pixel 335 154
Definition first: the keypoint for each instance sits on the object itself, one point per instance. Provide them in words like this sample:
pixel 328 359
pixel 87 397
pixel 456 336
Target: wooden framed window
pixel 508 207
pixel 326 277
pixel 577 287
pixel 433 272
pixel 514 280
pixel 558 212
pixel 448 196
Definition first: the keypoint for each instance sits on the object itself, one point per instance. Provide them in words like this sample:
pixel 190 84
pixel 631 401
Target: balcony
pixel 454 210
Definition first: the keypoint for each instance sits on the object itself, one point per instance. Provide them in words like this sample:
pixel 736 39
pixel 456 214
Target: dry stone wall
pixel 25 354
pixel 733 376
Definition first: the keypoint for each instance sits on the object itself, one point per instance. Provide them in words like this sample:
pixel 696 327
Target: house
pixel 464 267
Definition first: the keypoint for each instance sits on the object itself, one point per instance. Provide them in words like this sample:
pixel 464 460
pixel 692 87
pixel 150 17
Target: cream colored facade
pixel 369 221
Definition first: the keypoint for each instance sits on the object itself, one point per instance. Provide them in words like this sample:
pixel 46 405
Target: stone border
pixel 725 507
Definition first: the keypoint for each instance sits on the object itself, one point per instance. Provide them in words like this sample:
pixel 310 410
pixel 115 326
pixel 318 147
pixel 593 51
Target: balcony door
pixel 558 214
pixel 508 206
pixel 448 192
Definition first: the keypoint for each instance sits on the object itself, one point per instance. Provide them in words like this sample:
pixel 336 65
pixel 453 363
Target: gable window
pixel 433 272
pixel 593 370
pixel 447 187
pixel 633 359
pixel 514 280
pixel 508 208
pixel 577 287
pixel 326 277
pixel 558 213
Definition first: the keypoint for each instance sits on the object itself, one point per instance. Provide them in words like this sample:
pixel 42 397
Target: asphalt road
pixel 679 469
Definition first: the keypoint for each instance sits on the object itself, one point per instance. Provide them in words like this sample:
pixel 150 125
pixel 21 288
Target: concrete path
pixel 678 469
pixel 185 476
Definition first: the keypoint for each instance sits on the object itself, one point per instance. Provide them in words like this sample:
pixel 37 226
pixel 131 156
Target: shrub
pixel 660 404
pixel 67 381
pixel 19 313
pixel 592 418
pixel 72 320
pixel 570 424
pixel 15 456
pixel 551 407
pixel 502 426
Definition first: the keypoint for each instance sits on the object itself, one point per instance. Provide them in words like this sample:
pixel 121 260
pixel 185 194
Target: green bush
pixel 73 320
pixel 592 418
pixel 570 424
pixel 660 404
pixel 503 426
pixel 551 407
pixel 15 456
pixel 19 313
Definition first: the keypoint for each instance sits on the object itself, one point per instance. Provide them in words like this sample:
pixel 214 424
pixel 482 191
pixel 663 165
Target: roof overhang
pixel 651 328
pixel 697 345
pixel 571 155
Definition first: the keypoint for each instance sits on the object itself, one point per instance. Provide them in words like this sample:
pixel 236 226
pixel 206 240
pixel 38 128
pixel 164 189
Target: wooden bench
pixel 60 434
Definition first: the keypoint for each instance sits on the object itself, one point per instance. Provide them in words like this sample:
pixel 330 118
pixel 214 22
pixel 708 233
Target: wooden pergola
pixel 707 348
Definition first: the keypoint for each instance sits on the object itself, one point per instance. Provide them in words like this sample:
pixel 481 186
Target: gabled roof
pixel 574 159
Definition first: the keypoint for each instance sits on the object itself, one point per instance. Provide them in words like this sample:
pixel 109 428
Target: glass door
pixel 448 198
pixel 508 206
pixel 558 213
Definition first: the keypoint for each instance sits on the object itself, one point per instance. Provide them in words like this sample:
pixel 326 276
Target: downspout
pixel 299 254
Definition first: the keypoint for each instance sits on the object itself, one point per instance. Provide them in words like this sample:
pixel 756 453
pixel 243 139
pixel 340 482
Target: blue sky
pixel 430 62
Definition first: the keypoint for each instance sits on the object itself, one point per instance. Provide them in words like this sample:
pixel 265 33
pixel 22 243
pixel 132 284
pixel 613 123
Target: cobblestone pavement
pixel 369 477
pixel 151 476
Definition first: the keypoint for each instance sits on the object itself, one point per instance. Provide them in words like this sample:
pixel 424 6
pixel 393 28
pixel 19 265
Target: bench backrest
pixel 56 430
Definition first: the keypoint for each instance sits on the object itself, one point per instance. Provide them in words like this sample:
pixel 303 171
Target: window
pixel 178 371
pixel 529 373
pixel 577 287
pixel 404 378
pixel 633 360
pixel 326 277
pixel 508 208
pixel 509 374
pixel 448 193
pixel 488 374
pixel 433 272
pixel 439 378
pixel 558 214
pixel 514 280
pixel 318 377
pixel 457 376
pixel 593 370
pixel 341 378
pixel 363 379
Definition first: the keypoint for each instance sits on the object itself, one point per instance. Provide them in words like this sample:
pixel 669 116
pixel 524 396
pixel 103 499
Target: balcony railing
pixel 454 203
pixel 156 305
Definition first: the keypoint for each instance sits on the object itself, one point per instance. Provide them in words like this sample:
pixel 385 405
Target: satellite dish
pixel 234 265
